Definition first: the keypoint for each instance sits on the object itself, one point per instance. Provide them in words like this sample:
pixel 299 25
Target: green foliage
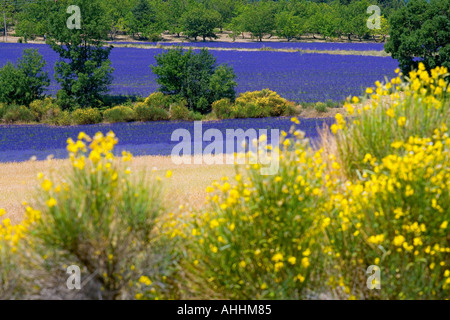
pixel 15 113
pixel 194 77
pixel 83 71
pixel 101 216
pixel 160 100
pixel 200 22
pixel 320 107
pixel 259 19
pixel 222 108
pixel 257 104
pixel 421 32
pixel 119 114
pixel 258 239
pixel 24 82
pixel 145 112
pixel 117 11
pixel 142 20
pixel 147 19
pixel 180 111
pixel 267 99
pixel 45 110
pixel 86 116
pixel 288 25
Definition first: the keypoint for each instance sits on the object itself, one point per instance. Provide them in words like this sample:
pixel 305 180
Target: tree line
pixel 204 19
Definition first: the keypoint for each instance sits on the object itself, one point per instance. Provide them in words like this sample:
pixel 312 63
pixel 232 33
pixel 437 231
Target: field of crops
pixel 307 77
pixel 20 143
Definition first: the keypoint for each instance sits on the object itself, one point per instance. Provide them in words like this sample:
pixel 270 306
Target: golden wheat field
pixel 186 187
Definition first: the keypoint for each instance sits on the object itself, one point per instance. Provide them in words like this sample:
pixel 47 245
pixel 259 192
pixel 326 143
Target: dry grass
pixel 186 187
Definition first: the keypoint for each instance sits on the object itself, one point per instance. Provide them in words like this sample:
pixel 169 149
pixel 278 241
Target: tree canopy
pixel 420 32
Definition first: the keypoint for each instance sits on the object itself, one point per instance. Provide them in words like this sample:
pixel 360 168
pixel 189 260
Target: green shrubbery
pixel 86 116
pixel 15 113
pixel 397 111
pixel 194 77
pixel 24 82
pixel 390 210
pixel 180 111
pixel 145 112
pixel 257 104
pixel 156 107
pixel 259 238
pixel 119 114
pixel 102 216
pixel 320 107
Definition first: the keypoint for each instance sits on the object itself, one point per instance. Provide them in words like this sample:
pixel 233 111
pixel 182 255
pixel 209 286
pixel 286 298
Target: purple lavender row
pixel 150 138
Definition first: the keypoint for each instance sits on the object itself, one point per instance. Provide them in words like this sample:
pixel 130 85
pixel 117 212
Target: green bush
pixel 13 248
pixel 179 111
pixel 159 100
pixel 14 113
pixel 83 69
pixel 259 238
pixel 2 110
pixel 223 108
pixel 64 118
pixel 119 114
pixel 396 111
pixel 194 77
pixel 144 112
pixel 25 82
pixel 396 216
pixel 86 116
pixel 320 107
pixel 45 110
pixel 101 217
pixel 267 100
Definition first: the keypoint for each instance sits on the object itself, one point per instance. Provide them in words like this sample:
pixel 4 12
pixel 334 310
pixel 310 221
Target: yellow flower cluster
pixel 261 229
pixel 398 212
pixel 11 234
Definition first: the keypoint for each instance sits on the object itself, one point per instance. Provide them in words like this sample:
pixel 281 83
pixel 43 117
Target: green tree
pixel 83 70
pixel 200 22
pixel 25 82
pixel 33 20
pixel 259 19
pixel 383 31
pixel 322 20
pixel 288 25
pixel 226 9
pixel 172 12
pixel 194 77
pixel 420 32
pixel 117 11
pixel 142 20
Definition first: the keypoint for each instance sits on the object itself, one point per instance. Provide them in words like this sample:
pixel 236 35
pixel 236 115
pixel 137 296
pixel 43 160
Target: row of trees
pixel 84 70
pixel 288 19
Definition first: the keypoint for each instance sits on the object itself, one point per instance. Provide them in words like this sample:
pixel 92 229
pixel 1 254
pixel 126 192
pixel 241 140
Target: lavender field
pixel 295 76
pixel 21 142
